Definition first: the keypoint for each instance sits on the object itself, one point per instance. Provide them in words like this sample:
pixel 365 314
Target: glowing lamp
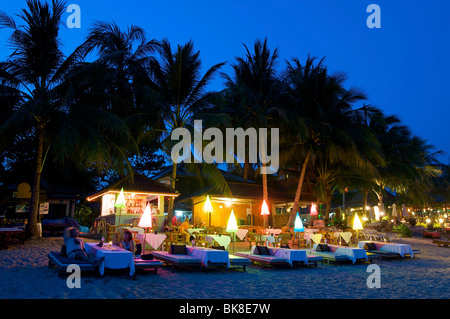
pixel 232 224
pixel 265 209
pixel 376 210
pixel 208 208
pixel 298 225
pixel 357 223
pixel 232 227
pixel 145 222
pixel 120 202
pixel 313 209
pixel 146 218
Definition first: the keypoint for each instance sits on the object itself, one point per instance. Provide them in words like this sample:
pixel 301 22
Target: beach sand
pixel 24 274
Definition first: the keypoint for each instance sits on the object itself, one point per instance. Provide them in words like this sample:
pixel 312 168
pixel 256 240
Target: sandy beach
pixel 24 274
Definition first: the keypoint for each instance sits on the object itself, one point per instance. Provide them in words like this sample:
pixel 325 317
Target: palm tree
pixel 254 93
pixel 124 61
pixel 37 94
pixel 181 96
pixel 325 126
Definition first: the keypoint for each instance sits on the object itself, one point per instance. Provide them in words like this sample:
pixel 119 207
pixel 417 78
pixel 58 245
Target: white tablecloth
pixel 268 239
pixel 290 254
pixel 351 252
pixel 401 249
pixel 241 233
pixel 195 230
pixel 115 257
pixel 273 231
pixel 209 254
pixel 154 240
pixel 221 240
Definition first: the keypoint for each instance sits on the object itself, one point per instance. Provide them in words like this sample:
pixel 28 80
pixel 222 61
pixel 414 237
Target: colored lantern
pixel 265 209
pixel 313 209
pixel 298 225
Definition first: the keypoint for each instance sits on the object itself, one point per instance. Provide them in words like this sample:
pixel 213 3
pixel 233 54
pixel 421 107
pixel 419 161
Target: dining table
pixel 222 240
pixel 154 240
pixel 207 255
pixel 115 257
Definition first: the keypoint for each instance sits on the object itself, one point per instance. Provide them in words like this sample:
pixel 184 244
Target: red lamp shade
pixel 314 209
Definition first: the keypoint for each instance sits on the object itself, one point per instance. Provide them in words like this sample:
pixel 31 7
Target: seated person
pixel 75 247
pixel 183 229
pixel 127 241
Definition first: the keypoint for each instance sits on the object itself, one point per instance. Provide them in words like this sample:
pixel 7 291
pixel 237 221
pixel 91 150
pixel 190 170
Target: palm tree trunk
pixel 31 229
pixel 291 220
pixel 365 195
pixel 171 200
pixel 327 209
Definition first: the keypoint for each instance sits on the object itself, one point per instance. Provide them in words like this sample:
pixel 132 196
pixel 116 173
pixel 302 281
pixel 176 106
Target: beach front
pixel 24 274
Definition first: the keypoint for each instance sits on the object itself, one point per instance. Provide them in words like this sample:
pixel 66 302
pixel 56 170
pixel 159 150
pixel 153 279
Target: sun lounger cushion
pixel 64 260
pixel 322 247
pixel 218 247
pixel 147 257
pixel 178 249
pixel 285 246
pixel 176 258
pixel 370 246
pixel 262 250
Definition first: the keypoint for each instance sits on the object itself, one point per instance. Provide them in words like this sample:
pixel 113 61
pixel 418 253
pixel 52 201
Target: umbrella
pixel 394 210
pixel 404 211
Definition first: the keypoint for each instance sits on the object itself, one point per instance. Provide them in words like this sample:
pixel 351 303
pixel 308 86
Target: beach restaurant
pixel 124 201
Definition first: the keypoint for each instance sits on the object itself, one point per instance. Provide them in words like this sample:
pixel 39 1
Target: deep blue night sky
pixel 403 67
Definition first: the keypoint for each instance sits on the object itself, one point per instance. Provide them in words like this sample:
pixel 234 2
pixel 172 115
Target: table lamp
pixel 145 222
pixel 208 208
pixel 120 202
pixel 232 226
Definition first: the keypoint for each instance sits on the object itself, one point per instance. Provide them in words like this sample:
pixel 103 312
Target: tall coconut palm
pixel 125 59
pixel 37 93
pixel 254 94
pixel 329 132
pixel 180 93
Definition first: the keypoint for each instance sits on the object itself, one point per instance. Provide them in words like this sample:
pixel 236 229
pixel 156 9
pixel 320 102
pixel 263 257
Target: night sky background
pixel 403 67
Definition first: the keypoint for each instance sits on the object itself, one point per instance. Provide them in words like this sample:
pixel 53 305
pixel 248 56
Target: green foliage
pixel 403 230
pixel 339 222
pixel 85 215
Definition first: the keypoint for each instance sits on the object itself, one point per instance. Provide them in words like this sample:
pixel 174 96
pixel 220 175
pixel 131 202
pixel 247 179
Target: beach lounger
pixel 329 256
pixel 175 257
pixel 55 259
pixel 235 261
pixel 147 265
pixel 373 252
pixel 238 261
pixel 265 259
pixel 313 259
pixel 441 242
